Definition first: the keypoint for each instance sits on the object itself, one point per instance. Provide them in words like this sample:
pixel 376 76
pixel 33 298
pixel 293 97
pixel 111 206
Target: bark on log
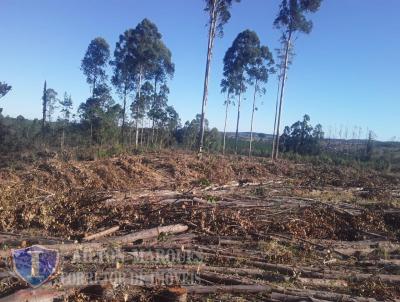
pixel 101 234
pixel 145 234
pixel 234 289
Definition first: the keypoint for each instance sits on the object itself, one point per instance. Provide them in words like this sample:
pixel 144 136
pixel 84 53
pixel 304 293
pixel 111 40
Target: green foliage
pixel 218 11
pixel 302 138
pixel 240 58
pixel 188 135
pixel 66 107
pixel 100 115
pixel 95 61
pixel 291 17
pixel 142 103
pixel 140 54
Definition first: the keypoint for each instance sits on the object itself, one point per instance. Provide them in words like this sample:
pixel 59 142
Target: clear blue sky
pixel 345 72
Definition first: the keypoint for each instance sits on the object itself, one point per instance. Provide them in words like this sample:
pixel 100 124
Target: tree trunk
pixel 91 133
pixel 155 103
pixel 226 118
pixel 282 94
pixel 139 95
pixel 44 108
pixel 252 117
pixel 152 131
pixel 237 123
pixel 211 37
pixel 141 133
pixel 276 115
pixel 123 117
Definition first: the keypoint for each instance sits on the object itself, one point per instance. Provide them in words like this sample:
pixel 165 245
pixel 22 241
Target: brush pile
pixel 181 229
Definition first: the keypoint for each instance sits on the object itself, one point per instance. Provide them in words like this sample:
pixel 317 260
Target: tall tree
pixel 95 61
pixel 162 69
pixel 291 19
pixel 218 16
pixel 258 76
pixel 238 60
pixel 99 112
pixel 49 100
pixel 144 47
pixel 44 108
pixel 226 87
pixel 158 108
pixel 280 66
pixel 124 76
pixel 66 107
pixel 52 100
pixel 141 104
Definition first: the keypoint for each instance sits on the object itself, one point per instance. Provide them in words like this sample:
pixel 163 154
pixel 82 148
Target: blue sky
pixel 345 73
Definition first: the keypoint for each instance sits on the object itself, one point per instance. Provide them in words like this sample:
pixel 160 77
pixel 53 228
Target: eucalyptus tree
pixel 280 66
pixel 163 68
pixel 66 107
pixel 290 20
pixel 44 108
pixel 157 109
pixel 169 124
pixel 123 77
pixel 52 101
pixel 94 112
pixel 145 50
pixel 258 74
pixel 238 60
pixel 226 88
pixel 218 16
pixel 140 105
pixel 95 61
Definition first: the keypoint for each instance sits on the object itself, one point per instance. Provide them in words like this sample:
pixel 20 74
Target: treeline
pixel 141 66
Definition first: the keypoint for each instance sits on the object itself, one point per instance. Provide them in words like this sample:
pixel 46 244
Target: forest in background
pixel 140 118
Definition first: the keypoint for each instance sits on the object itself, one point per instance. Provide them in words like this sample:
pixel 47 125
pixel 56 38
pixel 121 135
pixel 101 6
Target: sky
pixel 344 74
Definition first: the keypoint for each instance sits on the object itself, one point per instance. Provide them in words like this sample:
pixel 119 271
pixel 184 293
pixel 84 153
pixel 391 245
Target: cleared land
pixel 245 230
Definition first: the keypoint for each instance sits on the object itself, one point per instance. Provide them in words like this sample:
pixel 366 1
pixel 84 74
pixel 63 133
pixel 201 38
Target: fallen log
pixel 291 298
pixel 151 233
pixel 141 235
pixel 101 234
pixel 234 289
pixel 311 272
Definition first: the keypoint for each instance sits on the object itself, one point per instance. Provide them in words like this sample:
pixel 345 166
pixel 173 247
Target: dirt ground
pixel 238 229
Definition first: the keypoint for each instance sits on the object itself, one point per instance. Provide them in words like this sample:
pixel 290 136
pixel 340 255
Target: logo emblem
pixel 35 265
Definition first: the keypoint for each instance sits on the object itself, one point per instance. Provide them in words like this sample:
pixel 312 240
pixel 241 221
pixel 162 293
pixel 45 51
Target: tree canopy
pixel 291 16
pixel 95 60
pixel 4 89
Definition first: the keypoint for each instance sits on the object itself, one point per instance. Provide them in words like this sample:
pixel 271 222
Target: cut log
pixel 145 234
pixel 151 233
pixel 234 289
pixel 101 234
